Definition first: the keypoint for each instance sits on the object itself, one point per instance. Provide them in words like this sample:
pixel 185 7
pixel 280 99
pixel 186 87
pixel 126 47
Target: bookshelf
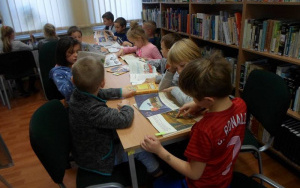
pixel 249 10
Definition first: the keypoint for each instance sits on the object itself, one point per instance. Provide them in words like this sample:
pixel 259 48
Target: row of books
pixel 224 27
pixel 290 73
pixel 175 19
pixel 280 37
pixel 152 15
pixel 274 1
pixel 288 140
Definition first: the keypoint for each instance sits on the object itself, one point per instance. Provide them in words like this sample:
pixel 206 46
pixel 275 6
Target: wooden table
pixel 132 136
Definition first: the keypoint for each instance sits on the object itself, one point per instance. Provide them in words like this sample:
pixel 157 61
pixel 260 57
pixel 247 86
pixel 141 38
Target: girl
pixel 180 54
pixel 142 47
pixel 76 33
pixel 49 34
pixel 66 55
pixel 167 42
pixel 8 44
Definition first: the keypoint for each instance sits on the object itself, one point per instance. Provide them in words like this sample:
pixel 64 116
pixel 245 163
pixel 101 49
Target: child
pixel 180 54
pixel 120 27
pixel 150 29
pixel 108 20
pixel 167 42
pixel 49 34
pixel 66 55
pixel 9 44
pixel 142 47
pixel 216 139
pixel 76 33
pixel 93 124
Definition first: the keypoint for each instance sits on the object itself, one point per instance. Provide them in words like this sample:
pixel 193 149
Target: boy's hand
pixel 150 80
pixel 126 93
pixel 189 108
pixel 126 43
pixel 168 89
pixel 121 104
pixel 151 144
pixel 120 53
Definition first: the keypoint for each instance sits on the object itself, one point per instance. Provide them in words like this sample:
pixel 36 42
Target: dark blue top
pixel 122 36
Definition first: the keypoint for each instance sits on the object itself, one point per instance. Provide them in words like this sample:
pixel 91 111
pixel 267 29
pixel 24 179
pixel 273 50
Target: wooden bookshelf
pixel 249 10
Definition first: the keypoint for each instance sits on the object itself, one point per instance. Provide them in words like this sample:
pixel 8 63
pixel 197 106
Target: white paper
pixel 167 101
pixel 141 77
pixel 111 60
pixel 160 124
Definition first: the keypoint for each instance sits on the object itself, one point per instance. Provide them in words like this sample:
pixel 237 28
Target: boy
pixel 93 124
pixel 108 20
pixel 216 139
pixel 150 29
pixel 76 33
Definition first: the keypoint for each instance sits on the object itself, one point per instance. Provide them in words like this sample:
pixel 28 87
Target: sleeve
pixel 199 147
pixel 112 93
pixel 22 46
pixel 158 79
pixel 166 81
pixel 181 97
pixel 155 62
pixel 63 84
pixel 128 50
pixel 155 54
pixel 111 118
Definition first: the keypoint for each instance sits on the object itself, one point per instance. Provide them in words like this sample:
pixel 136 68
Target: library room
pixel 129 94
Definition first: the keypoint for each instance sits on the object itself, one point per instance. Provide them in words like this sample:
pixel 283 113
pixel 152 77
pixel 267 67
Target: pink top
pixel 148 51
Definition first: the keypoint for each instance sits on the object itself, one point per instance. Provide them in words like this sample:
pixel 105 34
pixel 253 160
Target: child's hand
pixel 126 43
pixel 115 38
pixel 126 93
pixel 150 80
pixel 168 89
pixel 151 144
pixel 121 104
pixel 190 108
pixel 172 69
pixel 120 53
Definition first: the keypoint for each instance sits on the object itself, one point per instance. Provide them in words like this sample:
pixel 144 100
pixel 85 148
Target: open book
pixel 108 60
pixel 161 112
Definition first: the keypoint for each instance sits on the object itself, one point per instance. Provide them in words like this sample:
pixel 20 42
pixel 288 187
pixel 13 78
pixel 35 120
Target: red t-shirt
pixel 216 140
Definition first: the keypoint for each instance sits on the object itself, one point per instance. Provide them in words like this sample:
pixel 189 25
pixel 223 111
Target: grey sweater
pixel 93 128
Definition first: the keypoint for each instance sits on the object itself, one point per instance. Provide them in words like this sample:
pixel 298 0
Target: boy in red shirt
pixel 216 139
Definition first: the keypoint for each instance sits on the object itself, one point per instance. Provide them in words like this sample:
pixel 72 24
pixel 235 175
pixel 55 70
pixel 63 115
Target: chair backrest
pixel 5 157
pixel 50 138
pixel 268 98
pixel 17 64
pixel 47 62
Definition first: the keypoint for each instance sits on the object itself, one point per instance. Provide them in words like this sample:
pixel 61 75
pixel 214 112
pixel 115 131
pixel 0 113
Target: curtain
pixel 31 15
pixel 128 9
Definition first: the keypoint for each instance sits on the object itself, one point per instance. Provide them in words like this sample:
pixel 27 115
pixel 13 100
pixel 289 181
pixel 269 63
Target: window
pixel 32 15
pixel 128 9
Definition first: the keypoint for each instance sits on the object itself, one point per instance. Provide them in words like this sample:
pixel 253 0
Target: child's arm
pixel 64 86
pixel 127 50
pixel 180 97
pixel 193 169
pixel 115 93
pixel 190 108
pixel 166 81
pixel 155 54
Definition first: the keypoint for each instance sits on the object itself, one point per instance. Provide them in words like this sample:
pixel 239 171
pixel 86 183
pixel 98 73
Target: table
pixel 132 136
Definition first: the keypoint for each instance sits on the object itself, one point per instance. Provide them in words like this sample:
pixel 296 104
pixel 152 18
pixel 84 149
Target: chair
pixel 5 160
pixel 50 140
pixel 47 62
pixel 241 180
pixel 267 98
pixel 15 65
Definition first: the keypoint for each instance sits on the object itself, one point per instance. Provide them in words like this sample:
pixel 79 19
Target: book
pixel 111 60
pixel 119 70
pixel 143 88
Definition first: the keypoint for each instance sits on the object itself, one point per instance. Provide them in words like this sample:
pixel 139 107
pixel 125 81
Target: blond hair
pixel 88 73
pixel 6 33
pixel 49 31
pixel 207 77
pixel 184 50
pixel 136 32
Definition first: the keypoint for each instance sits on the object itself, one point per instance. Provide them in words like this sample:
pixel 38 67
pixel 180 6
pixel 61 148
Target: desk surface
pixel 132 136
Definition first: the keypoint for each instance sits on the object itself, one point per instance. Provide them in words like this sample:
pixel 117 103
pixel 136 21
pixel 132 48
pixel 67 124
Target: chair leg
pixel 1 95
pixel 259 163
pixel 5 94
pixel 5 182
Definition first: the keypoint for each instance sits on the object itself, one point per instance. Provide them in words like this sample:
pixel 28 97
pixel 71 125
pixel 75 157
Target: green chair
pixel 51 141
pixel 47 62
pixel 268 98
